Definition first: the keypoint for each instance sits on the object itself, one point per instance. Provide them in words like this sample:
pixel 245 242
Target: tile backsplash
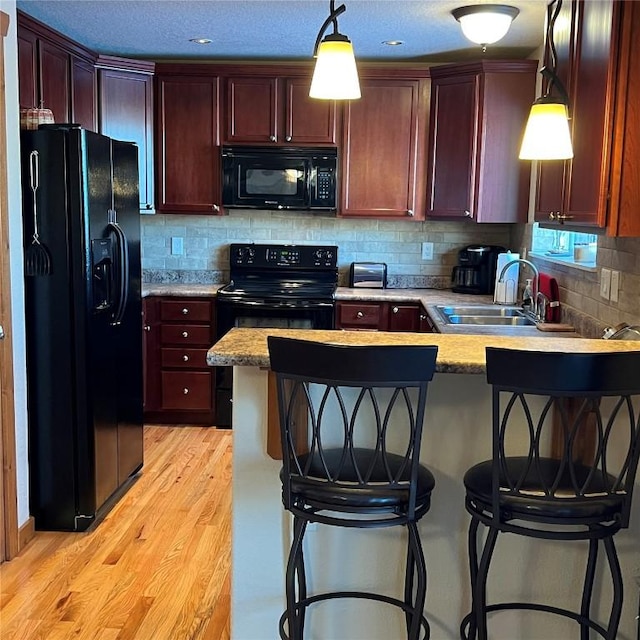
pixel 398 243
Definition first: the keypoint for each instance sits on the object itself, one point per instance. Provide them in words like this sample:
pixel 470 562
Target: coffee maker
pixel 476 269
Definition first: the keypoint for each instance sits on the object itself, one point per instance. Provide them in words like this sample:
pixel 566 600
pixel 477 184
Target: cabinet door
pixel 188 153
pixel 592 118
pixel 551 173
pixel 426 325
pixel 27 68
pixel 151 367
pixel 383 146
pixel 307 120
pixel 55 81
pixel 252 108
pixel 83 97
pixel 126 113
pixel 453 147
pixel 404 317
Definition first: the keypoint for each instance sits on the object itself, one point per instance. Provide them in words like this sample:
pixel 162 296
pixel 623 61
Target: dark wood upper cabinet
pixel 83 94
pixel 478 114
pixel 586 37
pixel 188 144
pixel 278 111
pixel 382 168
pixel 126 113
pixel 55 73
pixel 55 81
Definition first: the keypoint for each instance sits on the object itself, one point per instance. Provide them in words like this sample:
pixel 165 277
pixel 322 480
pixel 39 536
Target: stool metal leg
pixel 616 575
pixel 472 543
pixel 587 591
pixel 415 567
pixel 480 584
pixel 295 573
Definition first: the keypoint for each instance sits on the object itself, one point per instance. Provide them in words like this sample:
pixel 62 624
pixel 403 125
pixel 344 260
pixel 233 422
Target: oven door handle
pixel 252 304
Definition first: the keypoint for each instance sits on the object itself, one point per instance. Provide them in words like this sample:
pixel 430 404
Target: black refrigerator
pixel 83 323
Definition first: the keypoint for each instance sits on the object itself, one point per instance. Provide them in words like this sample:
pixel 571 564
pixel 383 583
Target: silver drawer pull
pixel 185 358
pixel 185 334
pixel 422 316
pixel 147 327
pixel 185 311
pixel 395 309
pixel 185 391
pixel 359 314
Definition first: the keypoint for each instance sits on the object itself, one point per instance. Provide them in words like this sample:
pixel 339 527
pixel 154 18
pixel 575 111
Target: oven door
pixel 256 180
pixel 230 314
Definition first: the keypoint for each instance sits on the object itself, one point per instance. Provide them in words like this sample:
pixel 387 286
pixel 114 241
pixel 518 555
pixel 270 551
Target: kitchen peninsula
pixel 456 435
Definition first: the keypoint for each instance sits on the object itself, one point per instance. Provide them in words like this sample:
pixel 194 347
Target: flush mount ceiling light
pixel 485 23
pixel 547 135
pixel 335 76
pixel 200 40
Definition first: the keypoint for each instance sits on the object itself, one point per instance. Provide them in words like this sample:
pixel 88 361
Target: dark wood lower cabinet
pixel 382 316
pixel 179 385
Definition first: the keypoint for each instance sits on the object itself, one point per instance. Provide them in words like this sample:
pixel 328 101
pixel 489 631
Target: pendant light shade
pixel 485 23
pixel 335 76
pixel 547 135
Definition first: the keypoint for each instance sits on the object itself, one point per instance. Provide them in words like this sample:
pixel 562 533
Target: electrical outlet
pixel 615 286
pixel 177 246
pixel 605 283
pixel 427 250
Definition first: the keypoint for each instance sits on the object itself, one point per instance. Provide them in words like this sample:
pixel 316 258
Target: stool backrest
pixel 568 399
pixel 353 397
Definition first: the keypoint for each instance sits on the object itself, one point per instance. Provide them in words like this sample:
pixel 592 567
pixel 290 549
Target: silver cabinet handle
pixel 185 334
pixel 467 214
pixel 560 217
pixel 423 316
pixel 288 138
pixel 410 213
pixel 1 332
pixel 395 310
pixel 185 311
pixel 185 391
pixel 359 314
pixel 185 358
pixel 272 138
pixel 147 327
pixel 215 207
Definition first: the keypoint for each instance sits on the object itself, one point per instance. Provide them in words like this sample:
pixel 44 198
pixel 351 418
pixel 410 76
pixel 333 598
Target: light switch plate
pixel 605 283
pixel 615 286
pixel 177 246
pixel 427 250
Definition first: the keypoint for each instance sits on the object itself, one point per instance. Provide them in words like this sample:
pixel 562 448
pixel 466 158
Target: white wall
pixel 16 257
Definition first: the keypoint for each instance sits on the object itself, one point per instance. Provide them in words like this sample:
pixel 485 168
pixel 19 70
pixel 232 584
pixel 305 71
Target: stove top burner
pixel 282 272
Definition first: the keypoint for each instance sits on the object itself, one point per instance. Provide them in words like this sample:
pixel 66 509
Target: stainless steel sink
pixel 484 315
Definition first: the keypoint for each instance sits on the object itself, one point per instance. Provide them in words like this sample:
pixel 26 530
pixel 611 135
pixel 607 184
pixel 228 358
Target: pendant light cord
pixel 551 74
pixel 333 17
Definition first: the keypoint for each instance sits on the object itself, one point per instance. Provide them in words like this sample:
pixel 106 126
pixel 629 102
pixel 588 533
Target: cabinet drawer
pixel 185 334
pixel 187 358
pixel 185 310
pixel 187 390
pixel 359 315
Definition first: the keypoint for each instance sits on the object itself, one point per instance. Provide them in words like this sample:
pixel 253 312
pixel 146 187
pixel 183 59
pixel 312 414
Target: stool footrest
pixel 532 606
pixel 363 595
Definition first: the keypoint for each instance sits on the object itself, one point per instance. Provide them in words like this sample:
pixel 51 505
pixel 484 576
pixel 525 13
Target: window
pixel 565 246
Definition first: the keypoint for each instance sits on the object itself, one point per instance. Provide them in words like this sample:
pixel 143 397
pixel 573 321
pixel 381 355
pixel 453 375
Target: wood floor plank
pixel 156 568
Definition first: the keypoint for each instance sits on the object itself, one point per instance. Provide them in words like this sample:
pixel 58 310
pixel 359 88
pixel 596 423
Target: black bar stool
pixel 575 495
pixel 342 469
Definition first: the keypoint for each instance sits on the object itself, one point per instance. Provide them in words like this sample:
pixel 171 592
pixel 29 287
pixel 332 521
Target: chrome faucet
pixel 536 301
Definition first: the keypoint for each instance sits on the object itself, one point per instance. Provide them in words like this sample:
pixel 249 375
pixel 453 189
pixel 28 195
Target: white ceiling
pixel 279 29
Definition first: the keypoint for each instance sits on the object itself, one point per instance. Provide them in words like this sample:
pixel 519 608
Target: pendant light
pixel 485 23
pixel 335 76
pixel 547 135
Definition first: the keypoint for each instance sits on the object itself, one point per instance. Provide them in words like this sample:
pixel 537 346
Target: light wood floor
pixel 157 567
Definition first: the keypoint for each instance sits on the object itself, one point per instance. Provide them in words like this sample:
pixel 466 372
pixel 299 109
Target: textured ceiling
pixel 278 29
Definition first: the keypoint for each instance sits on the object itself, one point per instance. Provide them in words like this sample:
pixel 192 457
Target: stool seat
pixel 531 501
pixel 320 493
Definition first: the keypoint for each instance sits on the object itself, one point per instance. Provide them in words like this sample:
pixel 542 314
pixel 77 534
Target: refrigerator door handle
pixel 122 261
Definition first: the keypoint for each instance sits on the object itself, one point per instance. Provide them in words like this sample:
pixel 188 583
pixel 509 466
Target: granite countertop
pixel 456 353
pixel 428 298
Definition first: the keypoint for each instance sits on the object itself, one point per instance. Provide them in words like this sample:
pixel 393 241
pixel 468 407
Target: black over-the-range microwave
pixel 279 178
